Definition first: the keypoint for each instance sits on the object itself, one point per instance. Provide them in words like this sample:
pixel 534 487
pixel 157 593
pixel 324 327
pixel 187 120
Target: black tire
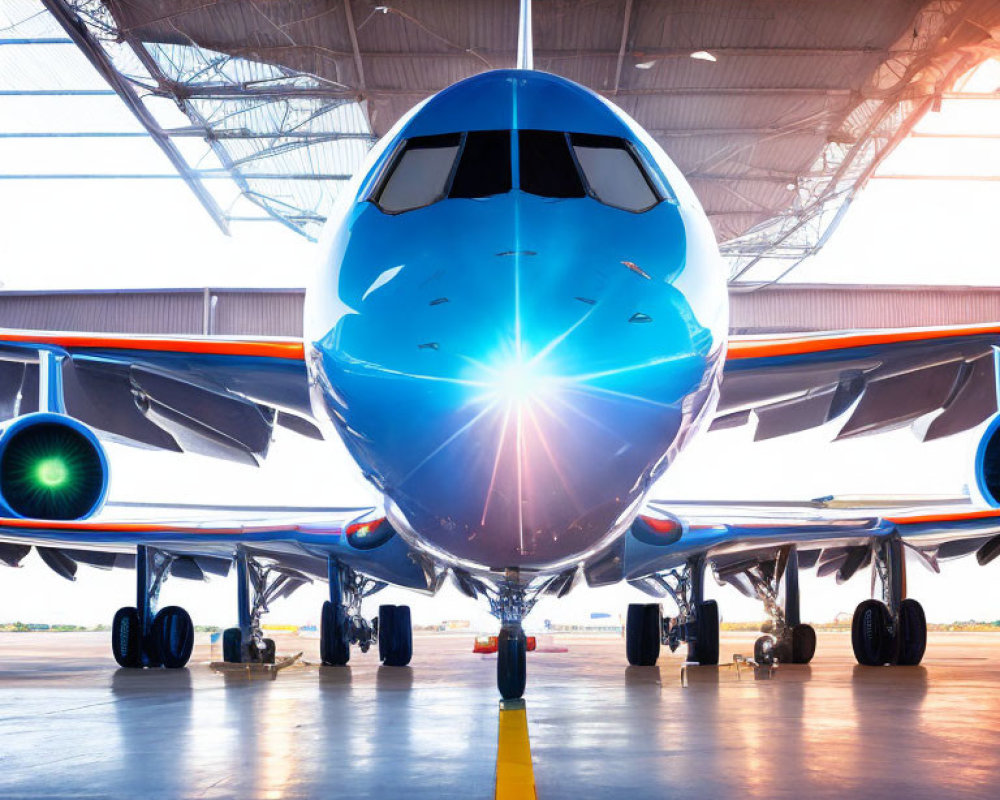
pixel 334 636
pixel 232 645
pixel 642 634
pixel 386 617
pixel 267 655
pixel 173 636
pixel 704 649
pixel 763 650
pixel 871 634
pixel 512 667
pixel 395 640
pixel 803 644
pixel 912 633
pixel 126 638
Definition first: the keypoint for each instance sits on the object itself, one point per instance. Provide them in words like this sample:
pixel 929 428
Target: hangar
pixel 777 115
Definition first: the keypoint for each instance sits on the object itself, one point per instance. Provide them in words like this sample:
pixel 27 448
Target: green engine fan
pixel 51 467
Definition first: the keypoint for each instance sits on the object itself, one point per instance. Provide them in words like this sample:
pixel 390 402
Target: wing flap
pixel 885 379
pixel 216 397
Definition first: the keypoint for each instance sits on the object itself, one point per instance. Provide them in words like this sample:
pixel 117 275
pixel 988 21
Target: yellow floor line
pixel 515 775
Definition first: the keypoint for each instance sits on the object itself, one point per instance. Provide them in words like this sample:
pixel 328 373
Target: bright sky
pixel 133 233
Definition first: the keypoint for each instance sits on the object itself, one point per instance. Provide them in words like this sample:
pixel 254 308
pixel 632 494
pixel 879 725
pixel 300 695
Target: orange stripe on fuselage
pixel 290 349
pixel 772 346
pixel 133 527
pixel 954 517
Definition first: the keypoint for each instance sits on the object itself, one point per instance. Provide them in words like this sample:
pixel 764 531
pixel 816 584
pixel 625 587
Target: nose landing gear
pixel 512 666
pixel 511 601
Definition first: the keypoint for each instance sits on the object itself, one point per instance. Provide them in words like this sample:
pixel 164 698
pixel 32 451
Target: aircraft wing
pixel 213 396
pixel 837 541
pixel 201 541
pixel 940 380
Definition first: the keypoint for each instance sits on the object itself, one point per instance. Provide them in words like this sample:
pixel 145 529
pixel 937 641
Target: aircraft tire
pixel 126 638
pixel 912 633
pixel 172 637
pixel 763 650
pixel 643 625
pixel 385 618
pixel 512 667
pixel 871 634
pixel 334 636
pixel 232 646
pixel 803 644
pixel 704 649
pixel 267 655
pixel 395 635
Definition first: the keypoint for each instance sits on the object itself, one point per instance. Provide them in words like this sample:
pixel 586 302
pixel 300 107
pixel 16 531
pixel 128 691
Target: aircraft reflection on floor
pixel 597 730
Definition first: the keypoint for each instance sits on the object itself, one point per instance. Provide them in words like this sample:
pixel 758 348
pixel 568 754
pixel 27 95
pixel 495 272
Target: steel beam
pixel 626 23
pixel 91 48
pixel 56 93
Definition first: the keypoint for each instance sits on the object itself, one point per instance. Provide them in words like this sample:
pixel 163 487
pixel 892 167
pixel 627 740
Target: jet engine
pixel 987 464
pixel 51 467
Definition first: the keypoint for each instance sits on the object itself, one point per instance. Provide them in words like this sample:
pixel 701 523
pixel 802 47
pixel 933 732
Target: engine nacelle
pixel 986 469
pixel 51 467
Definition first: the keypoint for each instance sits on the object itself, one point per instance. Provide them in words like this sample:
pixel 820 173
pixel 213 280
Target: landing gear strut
pixel 342 624
pixel 257 586
pixel 696 623
pixel 510 602
pixel 786 639
pixel 142 638
pixel 892 630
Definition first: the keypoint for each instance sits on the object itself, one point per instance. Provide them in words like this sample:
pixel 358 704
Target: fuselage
pixel 518 321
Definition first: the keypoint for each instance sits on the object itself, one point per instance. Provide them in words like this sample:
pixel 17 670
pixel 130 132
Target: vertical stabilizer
pixel 525 54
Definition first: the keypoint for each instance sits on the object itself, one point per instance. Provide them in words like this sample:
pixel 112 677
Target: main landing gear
pixel 142 638
pixel 257 586
pixel 696 623
pixel 342 625
pixel 892 630
pixel 786 639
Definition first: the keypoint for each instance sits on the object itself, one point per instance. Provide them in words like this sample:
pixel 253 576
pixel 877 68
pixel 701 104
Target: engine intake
pixel 51 467
pixel 987 464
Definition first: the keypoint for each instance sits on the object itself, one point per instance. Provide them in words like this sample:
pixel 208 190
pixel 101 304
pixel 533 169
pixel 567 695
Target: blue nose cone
pixel 513 371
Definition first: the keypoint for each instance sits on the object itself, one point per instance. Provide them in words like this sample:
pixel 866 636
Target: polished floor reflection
pixel 72 725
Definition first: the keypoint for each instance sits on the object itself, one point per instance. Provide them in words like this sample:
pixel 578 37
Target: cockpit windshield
pixel 553 164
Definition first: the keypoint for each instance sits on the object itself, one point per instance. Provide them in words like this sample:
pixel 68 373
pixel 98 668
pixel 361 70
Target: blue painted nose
pixel 515 389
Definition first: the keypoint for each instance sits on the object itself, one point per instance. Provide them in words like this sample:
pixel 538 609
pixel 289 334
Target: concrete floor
pixel 72 725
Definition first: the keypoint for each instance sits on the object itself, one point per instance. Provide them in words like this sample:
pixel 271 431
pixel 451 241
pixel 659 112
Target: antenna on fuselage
pixel 525 54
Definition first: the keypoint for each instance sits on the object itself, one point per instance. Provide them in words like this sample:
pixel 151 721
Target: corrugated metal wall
pixel 251 312
pixel 806 307
pixel 278 312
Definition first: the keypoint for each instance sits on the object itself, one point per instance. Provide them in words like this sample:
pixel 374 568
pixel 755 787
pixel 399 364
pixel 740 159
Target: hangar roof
pixel 777 111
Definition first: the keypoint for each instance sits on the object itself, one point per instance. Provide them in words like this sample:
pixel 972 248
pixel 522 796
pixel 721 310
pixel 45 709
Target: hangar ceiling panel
pixel 778 111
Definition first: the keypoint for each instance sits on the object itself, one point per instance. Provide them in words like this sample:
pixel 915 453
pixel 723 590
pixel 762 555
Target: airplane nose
pixel 514 393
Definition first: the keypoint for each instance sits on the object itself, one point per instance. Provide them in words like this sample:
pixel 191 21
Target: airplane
pixel 518 320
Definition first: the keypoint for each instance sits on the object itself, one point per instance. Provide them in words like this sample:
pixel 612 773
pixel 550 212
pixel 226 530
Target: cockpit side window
pixel 420 173
pixel 484 168
pixel 613 174
pixel 546 165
